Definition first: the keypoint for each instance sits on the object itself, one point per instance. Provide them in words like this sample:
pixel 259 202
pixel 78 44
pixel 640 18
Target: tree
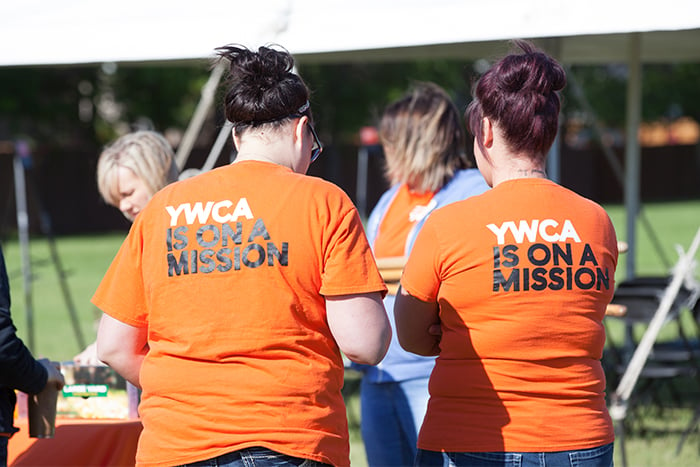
pixel 346 97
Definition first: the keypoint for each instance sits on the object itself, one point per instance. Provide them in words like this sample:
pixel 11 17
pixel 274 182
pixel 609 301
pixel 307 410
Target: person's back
pixel 237 290
pixel 236 253
pixel 518 280
pixel 545 277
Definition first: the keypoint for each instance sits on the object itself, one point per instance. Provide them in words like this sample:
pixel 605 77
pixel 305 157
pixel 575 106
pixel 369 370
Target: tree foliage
pixel 42 103
pixel 62 104
pixel 348 96
pixel 668 91
pixel 94 103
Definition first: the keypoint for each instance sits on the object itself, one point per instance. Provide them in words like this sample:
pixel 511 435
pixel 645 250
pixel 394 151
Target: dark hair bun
pixel 533 71
pixel 520 93
pixel 262 86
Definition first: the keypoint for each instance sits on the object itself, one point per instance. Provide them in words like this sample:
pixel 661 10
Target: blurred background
pixel 76 74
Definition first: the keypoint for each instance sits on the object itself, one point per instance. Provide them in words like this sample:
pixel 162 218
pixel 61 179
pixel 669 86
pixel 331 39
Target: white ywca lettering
pixel 219 211
pixel 548 230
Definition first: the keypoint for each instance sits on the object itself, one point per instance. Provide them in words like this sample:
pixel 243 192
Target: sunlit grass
pixel 83 261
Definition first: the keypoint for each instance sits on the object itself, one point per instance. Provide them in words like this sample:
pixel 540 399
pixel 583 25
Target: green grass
pixel 672 224
pixel 85 259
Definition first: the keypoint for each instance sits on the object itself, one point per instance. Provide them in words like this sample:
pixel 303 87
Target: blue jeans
pixel 391 416
pixel 601 456
pixel 256 457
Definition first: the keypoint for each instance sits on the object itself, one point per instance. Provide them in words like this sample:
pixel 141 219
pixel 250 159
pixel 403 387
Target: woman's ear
pixel 299 131
pixel 300 127
pixel 487 132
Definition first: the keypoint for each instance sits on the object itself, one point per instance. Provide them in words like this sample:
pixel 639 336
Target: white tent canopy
pixel 36 32
pixel 68 32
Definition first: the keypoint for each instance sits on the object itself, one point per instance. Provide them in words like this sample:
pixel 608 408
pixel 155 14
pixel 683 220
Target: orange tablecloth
pixel 78 442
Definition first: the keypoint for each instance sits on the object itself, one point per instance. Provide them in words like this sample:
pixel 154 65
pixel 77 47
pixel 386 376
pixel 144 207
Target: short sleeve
pixel 348 265
pixel 421 275
pixel 121 293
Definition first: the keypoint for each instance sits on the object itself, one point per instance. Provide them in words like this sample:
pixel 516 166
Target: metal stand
pixel 619 406
pixel 23 233
pixel 21 162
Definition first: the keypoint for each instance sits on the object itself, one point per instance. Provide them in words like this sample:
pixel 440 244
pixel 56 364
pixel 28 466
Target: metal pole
pixel 200 114
pixel 632 151
pixel 554 160
pixel 23 231
pixel 641 353
pixel 361 190
pixel 224 136
pixel 615 165
pixel 553 46
pixel 621 396
pixel 68 299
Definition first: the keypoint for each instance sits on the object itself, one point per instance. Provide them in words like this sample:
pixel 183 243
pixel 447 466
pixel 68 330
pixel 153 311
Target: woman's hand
pixel 88 357
pixel 55 377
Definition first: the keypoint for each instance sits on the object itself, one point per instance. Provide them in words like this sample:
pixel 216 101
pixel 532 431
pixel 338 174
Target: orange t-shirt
pixel 522 275
pixel 407 208
pixel 228 270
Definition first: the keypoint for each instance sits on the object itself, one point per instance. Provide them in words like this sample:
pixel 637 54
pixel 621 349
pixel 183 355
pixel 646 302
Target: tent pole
pixel 224 136
pixel 200 114
pixel 553 46
pixel 614 163
pixel 23 231
pixel 632 151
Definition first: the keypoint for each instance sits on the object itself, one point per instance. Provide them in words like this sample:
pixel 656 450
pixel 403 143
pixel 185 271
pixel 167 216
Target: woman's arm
pixel 122 347
pixel 360 326
pixel 417 324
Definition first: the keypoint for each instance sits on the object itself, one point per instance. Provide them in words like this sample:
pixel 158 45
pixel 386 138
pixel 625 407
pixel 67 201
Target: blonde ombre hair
pixel 423 138
pixel 146 153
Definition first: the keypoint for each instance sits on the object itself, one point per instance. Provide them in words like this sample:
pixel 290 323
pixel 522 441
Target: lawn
pixel 84 259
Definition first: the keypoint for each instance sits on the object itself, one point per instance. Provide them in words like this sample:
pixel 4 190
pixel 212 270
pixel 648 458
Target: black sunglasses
pixel 317 148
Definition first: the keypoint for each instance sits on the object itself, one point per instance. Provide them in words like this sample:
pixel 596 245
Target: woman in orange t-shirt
pixel 237 291
pixel 518 280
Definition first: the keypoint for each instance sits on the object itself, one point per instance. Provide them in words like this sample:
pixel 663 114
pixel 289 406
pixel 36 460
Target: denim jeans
pixel 392 414
pixel 601 456
pixel 256 457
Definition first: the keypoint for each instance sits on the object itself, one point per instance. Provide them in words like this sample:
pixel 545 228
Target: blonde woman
pixel 133 168
pixel 129 172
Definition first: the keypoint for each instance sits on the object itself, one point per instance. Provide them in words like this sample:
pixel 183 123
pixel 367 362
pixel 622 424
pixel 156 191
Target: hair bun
pixel 531 72
pixel 262 86
pixel 519 92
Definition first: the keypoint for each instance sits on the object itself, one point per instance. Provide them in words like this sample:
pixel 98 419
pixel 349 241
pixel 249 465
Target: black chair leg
pixel 620 437
pixel 691 426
